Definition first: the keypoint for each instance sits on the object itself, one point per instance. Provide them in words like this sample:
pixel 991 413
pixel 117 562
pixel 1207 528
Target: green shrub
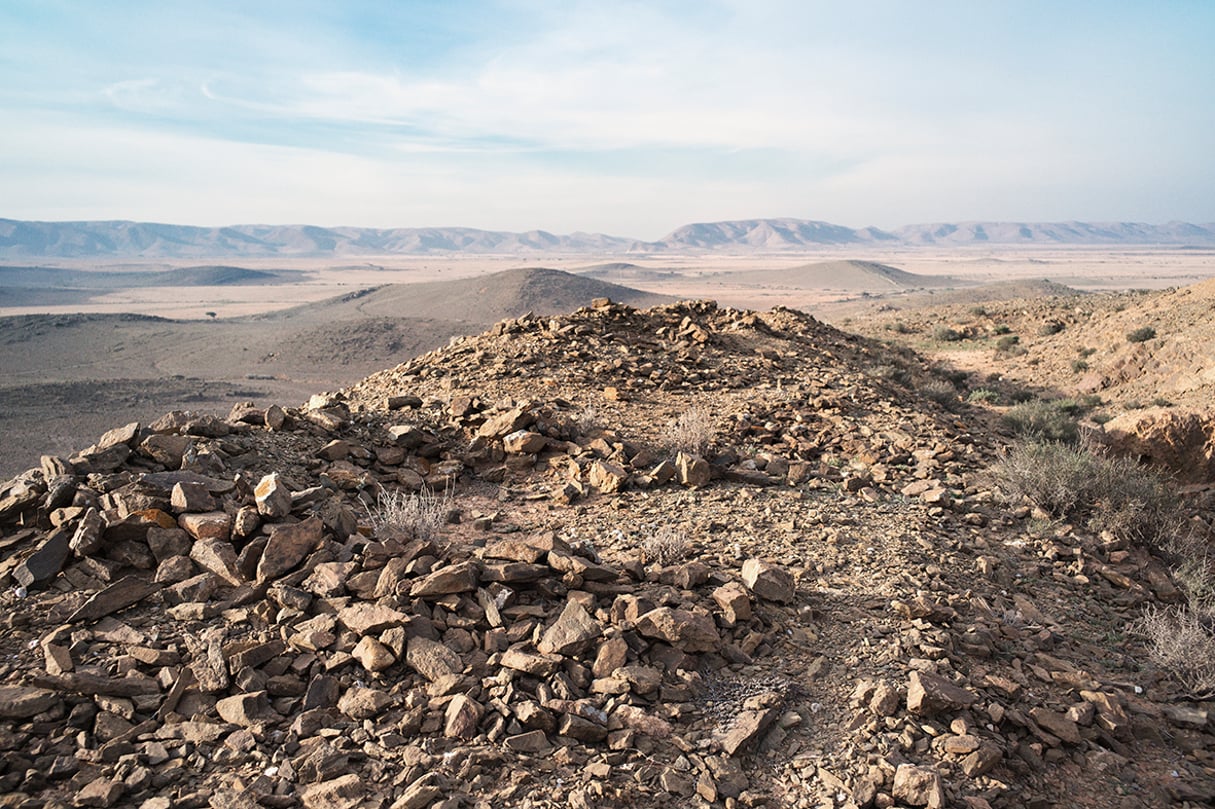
pixel 1043 421
pixel 1079 366
pixel 946 334
pixel 1001 329
pixel 983 395
pixel 1050 327
pixel 1141 335
pixel 1106 492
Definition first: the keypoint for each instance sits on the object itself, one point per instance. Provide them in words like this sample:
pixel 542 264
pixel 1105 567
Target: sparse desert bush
pixel 1050 327
pixel 667 545
pixel 1009 344
pixel 893 373
pixel 899 327
pixel 983 395
pixel 410 515
pixel 1078 482
pixel 588 420
pixel 1141 335
pixel 1079 366
pixel 978 311
pixel 946 334
pixel 1087 352
pixel 1042 421
pixel 1160 401
pixel 940 392
pixel 1181 640
pixel 1001 329
pixel 692 432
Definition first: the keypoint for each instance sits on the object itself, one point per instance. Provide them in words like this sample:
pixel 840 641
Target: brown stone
pixel 20 702
pixel 606 476
pixel 458 578
pixel 918 786
pixel 246 709
pixel 363 703
pixel 461 718
pixel 533 741
pixel 208 525
pixel 767 581
pixel 287 547
pixel 190 496
pixel 119 595
pixel 1056 723
pixel 523 442
pixel 218 557
pixel 431 659
pixel 929 693
pixel 572 633
pixel 689 631
pixel 273 497
pixel 343 792
pixel 372 655
pixel 692 470
pixel 365 619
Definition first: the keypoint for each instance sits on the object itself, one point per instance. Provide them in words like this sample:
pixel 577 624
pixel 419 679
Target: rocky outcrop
pixel 1182 442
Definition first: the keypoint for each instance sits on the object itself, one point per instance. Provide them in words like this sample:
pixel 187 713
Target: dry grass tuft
pixel 1181 641
pixel 410 515
pixel 692 432
pixel 668 545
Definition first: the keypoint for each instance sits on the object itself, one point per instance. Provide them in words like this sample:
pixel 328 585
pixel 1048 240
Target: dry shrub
pixel 1042 421
pixel 667 545
pixel 1086 484
pixel 692 432
pixel 1181 641
pixel 410 515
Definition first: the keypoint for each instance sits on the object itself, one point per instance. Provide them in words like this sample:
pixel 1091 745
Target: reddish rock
pixel 1180 441
pixel 918 786
pixel 929 693
pixel 461 718
pixel 287 547
pixel 767 581
pixel 689 631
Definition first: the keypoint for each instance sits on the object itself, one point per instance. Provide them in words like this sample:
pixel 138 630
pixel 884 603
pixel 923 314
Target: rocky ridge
pixel 685 554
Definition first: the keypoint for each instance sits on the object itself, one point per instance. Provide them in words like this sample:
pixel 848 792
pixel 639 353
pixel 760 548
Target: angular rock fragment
pixel 918 786
pixel 769 582
pixel 572 633
pixel 929 694
pixel 273 497
pixel 287 547
pixel 689 631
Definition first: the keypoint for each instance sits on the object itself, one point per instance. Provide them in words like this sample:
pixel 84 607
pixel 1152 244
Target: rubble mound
pixel 684 555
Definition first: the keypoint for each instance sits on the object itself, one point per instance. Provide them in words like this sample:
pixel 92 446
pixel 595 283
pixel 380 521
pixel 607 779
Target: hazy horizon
pixel 621 118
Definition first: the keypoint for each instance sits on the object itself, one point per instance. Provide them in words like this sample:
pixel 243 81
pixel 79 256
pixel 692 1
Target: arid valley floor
pixel 878 529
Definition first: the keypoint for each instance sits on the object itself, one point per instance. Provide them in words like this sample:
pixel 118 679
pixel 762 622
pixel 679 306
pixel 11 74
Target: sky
pixel 629 118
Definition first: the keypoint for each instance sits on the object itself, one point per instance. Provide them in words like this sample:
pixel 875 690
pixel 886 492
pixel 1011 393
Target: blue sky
pixel 626 118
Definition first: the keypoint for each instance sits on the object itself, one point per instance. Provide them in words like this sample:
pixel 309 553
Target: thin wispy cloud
pixel 516 115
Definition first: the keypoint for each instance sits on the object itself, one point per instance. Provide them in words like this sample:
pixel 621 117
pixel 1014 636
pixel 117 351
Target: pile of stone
pixel 200 636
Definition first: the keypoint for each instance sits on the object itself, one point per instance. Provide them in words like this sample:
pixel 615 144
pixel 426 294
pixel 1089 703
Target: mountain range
pixel 115 239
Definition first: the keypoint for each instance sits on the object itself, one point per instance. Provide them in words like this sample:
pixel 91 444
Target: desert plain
pixel 102 345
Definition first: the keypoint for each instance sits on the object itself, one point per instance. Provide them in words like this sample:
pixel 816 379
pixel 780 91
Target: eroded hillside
pixel 676 556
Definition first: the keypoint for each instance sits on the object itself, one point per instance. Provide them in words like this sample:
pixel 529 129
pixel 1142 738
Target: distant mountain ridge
pixel 114 239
